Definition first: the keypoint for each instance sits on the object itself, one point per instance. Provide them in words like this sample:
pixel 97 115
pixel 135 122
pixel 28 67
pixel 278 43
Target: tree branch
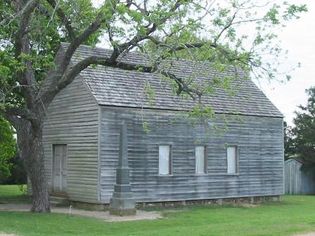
pixel 191 45
pixel 66 75
pixel 14 120
pixel 228 25
pixel 26 12
pixel 45 97
pixel 20 112
pixel 75 70
pixel 143 10
pixel 182 86
pixel 140 37
pixel 80 66
pixel 92 28
pixel 62 16
pixel 22 46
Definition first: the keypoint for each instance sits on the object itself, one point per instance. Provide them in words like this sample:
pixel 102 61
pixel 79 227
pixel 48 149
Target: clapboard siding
pixel 72 119
pixel 259 141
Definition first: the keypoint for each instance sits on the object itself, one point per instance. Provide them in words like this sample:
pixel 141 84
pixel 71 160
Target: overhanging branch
pixel 182 85
pixel 65 20
pixel 95 60
pixel 76 42
pixel 150 29
pixel 65 74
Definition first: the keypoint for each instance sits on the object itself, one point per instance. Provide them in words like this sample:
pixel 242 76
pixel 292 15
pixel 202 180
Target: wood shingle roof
pixel 117 87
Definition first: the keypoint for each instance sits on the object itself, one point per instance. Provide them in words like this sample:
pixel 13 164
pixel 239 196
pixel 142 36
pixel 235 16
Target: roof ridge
pixel 137 53
pixel 116 87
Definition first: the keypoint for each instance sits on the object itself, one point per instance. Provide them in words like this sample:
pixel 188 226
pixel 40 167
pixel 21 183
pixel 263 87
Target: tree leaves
pixel 7 147
pixel 302 135
pixel 164 29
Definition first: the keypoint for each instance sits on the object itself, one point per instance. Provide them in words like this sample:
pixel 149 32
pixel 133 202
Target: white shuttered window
pixel 232 160
pixel 200 159
pixel 164 160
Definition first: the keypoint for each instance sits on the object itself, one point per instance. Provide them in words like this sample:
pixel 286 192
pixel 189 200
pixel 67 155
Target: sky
pixel 299 38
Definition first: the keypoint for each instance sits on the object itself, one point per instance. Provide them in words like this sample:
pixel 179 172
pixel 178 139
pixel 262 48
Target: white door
pixel 59 168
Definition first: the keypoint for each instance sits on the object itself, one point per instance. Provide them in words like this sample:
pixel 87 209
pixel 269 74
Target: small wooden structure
pixel 298 180
pixel 239 153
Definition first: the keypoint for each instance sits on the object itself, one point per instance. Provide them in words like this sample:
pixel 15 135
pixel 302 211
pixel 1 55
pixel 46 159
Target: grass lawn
pixel 293 215
pixel 13 194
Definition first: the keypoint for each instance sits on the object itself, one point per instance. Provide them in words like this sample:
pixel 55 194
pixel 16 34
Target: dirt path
pixel 104 215
pixel 306 234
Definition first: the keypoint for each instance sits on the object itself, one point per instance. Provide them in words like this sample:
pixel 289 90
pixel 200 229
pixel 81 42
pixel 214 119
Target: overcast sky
pixel 299 39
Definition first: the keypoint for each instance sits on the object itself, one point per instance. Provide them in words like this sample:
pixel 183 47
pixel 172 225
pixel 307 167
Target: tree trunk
pixel 31 150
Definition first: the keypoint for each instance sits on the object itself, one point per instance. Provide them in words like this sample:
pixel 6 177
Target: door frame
pixel 53 192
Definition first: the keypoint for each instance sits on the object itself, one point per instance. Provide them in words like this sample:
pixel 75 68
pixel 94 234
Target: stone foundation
pixel 218 202
pixel 170 204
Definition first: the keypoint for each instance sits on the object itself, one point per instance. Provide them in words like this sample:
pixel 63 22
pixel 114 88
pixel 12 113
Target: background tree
pixel 303 132
pixel 7 148
pixel 32 30
pixel 17 172
pixel 289 149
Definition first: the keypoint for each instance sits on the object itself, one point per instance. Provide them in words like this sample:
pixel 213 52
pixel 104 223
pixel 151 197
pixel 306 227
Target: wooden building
pixel 238 153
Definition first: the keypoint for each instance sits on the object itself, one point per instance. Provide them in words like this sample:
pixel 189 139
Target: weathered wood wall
pixel 72 119
pixel 259 141
pixel 297 179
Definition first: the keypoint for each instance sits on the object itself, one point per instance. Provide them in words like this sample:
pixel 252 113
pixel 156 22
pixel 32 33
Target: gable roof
pixel 117 87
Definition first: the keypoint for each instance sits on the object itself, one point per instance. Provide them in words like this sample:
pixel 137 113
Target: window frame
pixel 236 159
pixel 170 160
pixel 205 160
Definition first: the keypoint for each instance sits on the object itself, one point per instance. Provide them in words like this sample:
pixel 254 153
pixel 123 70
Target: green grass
pixel 13 194
pixel 294 214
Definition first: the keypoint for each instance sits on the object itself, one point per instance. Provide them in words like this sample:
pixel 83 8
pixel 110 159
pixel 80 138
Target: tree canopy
pixel 228 33
pixel 301 142
pixel 7 147
pixel 225 33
